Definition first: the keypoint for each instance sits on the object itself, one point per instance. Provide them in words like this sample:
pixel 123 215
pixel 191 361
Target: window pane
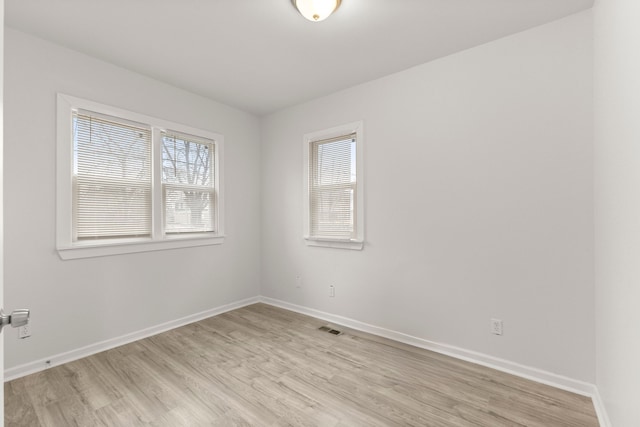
pixel 335 162
pixel 188 211
pixel 186 161
pixel 332 212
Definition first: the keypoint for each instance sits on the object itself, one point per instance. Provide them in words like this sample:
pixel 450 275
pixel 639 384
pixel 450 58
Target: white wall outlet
pixel 298 282
pixel 332 291
pixel 24 331
pixel 496 326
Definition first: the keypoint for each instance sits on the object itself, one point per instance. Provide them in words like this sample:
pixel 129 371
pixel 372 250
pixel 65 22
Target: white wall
pixel 479 203
pixel 81 302
pixel 478 200
pixel 617 207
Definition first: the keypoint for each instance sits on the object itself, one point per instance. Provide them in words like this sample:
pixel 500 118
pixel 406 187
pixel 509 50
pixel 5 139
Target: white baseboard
pixel 534 374
pixel 601 411
pixel 59 359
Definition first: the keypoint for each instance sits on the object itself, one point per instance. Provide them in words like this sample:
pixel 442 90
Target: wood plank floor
pixel 264 366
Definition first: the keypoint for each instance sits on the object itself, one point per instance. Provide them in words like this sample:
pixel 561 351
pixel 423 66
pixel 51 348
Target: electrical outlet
pixel 298 282
pixel 24 331
pixel 332 291
pixel 496 326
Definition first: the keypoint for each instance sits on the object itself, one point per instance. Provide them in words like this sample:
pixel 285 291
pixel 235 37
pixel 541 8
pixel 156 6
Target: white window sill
pixel 356 245
pixel 89 249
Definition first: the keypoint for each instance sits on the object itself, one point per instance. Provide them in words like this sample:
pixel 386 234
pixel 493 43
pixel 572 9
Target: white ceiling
pixel 261 55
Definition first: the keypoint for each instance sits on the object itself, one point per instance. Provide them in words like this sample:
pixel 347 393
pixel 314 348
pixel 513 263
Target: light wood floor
pixel 263 366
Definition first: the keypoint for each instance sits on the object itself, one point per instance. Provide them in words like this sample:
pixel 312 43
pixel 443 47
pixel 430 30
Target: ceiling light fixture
pixel 316 10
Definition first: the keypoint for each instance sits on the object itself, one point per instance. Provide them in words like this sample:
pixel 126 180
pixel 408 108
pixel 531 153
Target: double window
pixel 334 187
pixel 131 183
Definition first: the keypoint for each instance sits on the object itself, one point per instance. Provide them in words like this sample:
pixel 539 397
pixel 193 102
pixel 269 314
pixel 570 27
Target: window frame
pixel 211 189
pixel 68 248
pixel 356 243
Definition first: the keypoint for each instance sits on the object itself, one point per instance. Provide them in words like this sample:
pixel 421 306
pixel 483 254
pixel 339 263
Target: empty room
pixel 320 213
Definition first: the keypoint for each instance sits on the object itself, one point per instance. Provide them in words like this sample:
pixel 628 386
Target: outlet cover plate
pixel 496 326
pixel 24 331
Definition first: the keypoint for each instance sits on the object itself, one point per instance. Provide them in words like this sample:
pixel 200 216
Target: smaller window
pixel 333 197
pixel 188 184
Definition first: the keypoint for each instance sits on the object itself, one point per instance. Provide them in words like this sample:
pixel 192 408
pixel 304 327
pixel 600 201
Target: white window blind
pixel 188 182
pixel 111 177
pixel 332 188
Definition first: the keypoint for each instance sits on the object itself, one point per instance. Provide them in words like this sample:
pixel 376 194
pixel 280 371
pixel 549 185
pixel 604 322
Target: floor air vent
pixel 330 330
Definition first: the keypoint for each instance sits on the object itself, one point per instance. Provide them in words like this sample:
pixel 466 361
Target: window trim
pixel 356 243
pixel 66 247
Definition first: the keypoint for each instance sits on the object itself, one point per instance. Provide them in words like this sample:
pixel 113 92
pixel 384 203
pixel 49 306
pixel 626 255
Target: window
pixel 333 197
pixel 132 183
pixel 188 184
pixel 111 177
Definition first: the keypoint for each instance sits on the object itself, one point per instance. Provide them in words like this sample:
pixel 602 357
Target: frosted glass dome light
pixel 316 10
